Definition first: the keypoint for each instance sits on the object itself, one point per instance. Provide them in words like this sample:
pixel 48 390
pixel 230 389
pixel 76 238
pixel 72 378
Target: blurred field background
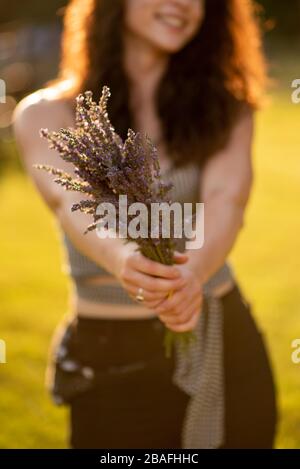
pixel 34 290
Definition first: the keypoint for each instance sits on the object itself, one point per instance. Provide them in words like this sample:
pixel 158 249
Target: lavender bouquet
pixel 107 167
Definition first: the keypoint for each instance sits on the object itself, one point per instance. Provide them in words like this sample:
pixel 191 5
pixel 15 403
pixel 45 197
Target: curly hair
pixel 205 88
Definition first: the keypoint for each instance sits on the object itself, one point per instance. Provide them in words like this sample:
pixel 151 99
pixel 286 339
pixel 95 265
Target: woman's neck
pixel 144 65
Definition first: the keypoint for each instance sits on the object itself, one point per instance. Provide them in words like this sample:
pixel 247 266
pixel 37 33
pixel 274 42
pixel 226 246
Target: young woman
pixel 190 74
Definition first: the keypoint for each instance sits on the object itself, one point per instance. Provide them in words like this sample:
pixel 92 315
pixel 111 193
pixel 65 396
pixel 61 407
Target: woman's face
pixel 166 24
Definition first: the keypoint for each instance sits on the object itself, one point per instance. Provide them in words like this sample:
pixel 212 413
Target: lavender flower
pixel 107 167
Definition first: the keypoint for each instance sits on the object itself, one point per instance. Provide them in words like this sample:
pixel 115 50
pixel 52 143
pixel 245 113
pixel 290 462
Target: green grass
pixel 34 297
pixel 34 290
pixel 266 256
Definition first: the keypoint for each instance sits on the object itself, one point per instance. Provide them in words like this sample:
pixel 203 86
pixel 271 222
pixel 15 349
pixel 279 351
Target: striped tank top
pixel 199 368
pixel 185 189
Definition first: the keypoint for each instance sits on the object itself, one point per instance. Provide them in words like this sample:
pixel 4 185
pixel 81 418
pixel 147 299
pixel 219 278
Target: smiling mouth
pixel 172 21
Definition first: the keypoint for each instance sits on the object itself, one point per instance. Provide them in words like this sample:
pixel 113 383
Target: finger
pixel 183 308
pixel 132 290
pixel 145 303
pixel 184 314
pixel 153 304
pixel 188 326
pixel 153 284
pixel 180 299
pixel 180 258
pixel 168 304
pixel 147 266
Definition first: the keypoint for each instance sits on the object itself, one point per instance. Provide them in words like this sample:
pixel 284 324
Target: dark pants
pixel 134 404
pixel 250 397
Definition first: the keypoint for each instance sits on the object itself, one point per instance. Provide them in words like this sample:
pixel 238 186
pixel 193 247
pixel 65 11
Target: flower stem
pixel 184 339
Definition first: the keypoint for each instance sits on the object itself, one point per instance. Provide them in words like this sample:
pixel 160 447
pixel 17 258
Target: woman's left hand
pixel 180 312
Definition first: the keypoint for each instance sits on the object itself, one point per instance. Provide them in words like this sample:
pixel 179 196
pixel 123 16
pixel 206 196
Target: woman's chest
pixel 185 183
pixel 147 122
pixel 186 179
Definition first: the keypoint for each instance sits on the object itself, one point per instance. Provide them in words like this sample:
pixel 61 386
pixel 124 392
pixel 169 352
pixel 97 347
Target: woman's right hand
pixel 136 271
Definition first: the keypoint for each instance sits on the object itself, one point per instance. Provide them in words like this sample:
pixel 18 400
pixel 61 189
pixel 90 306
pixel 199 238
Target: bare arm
pixel 132 269
pixel 225 186
pixel 29 117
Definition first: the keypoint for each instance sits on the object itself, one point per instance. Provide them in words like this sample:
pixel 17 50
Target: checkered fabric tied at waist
pixel 199 372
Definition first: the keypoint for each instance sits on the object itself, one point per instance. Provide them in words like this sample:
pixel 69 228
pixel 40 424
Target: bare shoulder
pixel 43 108
pixel 245 124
